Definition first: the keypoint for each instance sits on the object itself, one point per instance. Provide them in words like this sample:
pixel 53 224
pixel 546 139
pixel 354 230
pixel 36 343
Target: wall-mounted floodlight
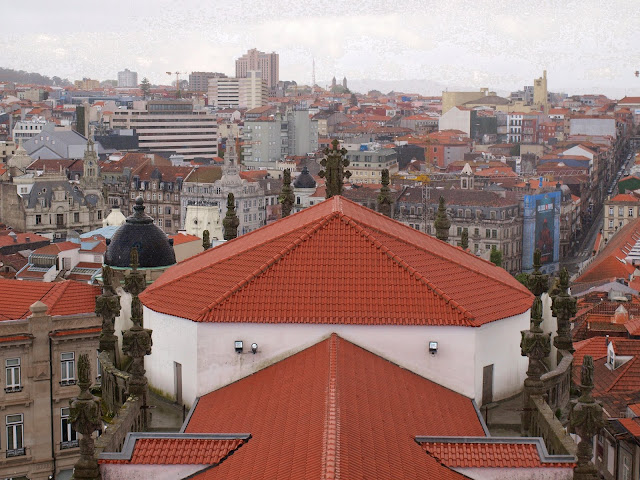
pixel 433 348
pixel 254 347
pixel 239 346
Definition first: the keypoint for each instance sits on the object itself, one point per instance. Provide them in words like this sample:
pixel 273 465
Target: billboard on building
pixel 542 229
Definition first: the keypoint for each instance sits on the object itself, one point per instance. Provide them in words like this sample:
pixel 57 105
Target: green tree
pixel 515 150
pixel 496 257
pixel 145 86
pixel 523 278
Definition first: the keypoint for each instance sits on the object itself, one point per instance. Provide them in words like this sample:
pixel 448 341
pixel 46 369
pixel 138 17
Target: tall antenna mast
pixel 313 74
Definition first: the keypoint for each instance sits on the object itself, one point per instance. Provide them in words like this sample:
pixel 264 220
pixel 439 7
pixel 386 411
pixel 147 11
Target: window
pixel 494 234
pixel 68 365
pixel 167 223
pixel 610 223
pixel 68 436
pixel 459 231
pixel 487 233
pixel 133 195
pixel 476 232
pixel 631 211
pixel 15 430
pixel 12 366
pixel 38 219
pixel 99 214
pixel 76 217
pixel 621 211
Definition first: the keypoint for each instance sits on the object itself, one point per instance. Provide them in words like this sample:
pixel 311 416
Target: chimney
pixel 27 239
pixel 607 340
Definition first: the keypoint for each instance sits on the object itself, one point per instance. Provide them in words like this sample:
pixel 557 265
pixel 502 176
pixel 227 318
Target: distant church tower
pixel 333 82
pixel 344 83
pixel 540 93
pixel 91 169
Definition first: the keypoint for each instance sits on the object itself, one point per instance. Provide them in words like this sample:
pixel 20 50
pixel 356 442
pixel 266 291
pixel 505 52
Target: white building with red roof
pixel 337 267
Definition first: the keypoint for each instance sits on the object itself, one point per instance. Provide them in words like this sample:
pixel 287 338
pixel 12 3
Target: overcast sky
pixel 585 46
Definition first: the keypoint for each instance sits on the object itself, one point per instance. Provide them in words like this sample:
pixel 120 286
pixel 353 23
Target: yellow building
pixel 540 93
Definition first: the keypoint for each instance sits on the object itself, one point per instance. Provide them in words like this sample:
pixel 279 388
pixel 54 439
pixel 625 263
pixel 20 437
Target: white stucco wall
pixel 517 473
pixel 111 471
pixel 209 361
pixel 123 321
pixel 174 340
pixel 498 344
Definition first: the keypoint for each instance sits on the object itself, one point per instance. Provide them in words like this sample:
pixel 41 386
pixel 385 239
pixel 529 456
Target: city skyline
pixel 424 47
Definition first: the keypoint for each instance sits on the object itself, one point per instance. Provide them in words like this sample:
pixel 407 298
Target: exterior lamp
pixel 254 348
pixel 433 348
pixel 238 344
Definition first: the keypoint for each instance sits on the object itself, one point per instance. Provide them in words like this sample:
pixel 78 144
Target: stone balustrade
pixel 130 418
pixel 545 424
pixel 115 384
pixel 557 383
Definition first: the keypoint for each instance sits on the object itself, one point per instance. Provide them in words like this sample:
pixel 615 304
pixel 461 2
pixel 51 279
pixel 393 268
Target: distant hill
pixel 20 76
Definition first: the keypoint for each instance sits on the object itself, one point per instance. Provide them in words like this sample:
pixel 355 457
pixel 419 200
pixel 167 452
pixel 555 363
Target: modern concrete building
pixel 248 92
pixel 267 63
pixel 127 78
pixel 268 140
pixel 199 81
pixel 367 163
pixel 171 126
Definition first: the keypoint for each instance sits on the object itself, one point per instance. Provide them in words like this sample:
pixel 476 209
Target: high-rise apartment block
pixel 199 81
pixel 267 63
pixel 127 78
pixel 248 92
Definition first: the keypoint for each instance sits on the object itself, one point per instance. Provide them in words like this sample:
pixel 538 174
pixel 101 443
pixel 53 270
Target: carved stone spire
pixel 586 420
pixel 442 222
pixel 334 173
pixel 108 307
pixel 231 221
pixel 384 197
pixel 136 342
pixel 564 307
pixel 534 344
pixel 286 195
pixel 464 239
pixel 85 419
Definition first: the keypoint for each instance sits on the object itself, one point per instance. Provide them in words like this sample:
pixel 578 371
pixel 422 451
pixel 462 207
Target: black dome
pixel 304 180
pixel 154 247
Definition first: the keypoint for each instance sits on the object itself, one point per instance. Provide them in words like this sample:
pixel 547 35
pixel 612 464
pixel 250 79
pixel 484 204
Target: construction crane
pixel 177 74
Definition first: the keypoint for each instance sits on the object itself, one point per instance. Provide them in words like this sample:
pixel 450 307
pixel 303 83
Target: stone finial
pixel 442 222
pixel 206 243
pixel 464 239
pixel 586 420
pixel 384 197
pixel 38 309
pixel 334 173
pixel 286 197
pixel 85 416
pixel 538 282
pixel 231 220
pixel 135 282
pixel 564 307
pixel 108 308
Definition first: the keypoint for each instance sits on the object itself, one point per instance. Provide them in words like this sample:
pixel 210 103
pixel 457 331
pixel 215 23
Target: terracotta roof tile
pixel 77 331
pixel 180 451
pixel 62 298
pixel 333 410
pixel 489 455
pixel 56 248
pixel 387 273
pixel 631 425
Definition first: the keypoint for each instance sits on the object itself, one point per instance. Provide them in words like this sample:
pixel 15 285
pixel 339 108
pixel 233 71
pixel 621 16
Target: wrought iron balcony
pixel 15 452
pixel 69 444
pixel 13 389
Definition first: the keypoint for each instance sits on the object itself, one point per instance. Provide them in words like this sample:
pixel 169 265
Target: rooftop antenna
pixel 313 74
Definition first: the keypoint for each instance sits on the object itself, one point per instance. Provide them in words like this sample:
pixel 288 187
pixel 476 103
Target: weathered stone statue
pixel 85 419
pixel 231 221
pixel 384 197
pixel 464 239
pixel 334 173
pixel 586 420
pixel 286 198
pixel 442 222
pixel 108 307
pixel 135 282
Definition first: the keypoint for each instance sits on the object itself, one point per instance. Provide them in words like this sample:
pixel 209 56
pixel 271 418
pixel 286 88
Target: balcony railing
pixel 69 444
pixel 13 389
pixel 15 452
pixel 64 383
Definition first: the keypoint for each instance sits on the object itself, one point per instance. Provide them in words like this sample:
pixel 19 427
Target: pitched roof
pixel 56 248
pixel 163 449
pixel 342 263
pixel 610 263
pixel 62 298
pixel 333 410
pixel 482 454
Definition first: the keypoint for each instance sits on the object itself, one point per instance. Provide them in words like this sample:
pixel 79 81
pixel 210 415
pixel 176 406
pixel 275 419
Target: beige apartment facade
pixel 618 211
pixel 40 355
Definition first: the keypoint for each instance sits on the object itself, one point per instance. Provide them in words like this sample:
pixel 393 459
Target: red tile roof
pixel 21 238
pixel 56 248
pixel 180 451
pixel 62 298
pixel 489 455
pixel 624 197
pixel 342 263
pixel 77 331
pixel 609 263
pixel 180 238
pixel 333 410
pixel 14 338
pixel 631 425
